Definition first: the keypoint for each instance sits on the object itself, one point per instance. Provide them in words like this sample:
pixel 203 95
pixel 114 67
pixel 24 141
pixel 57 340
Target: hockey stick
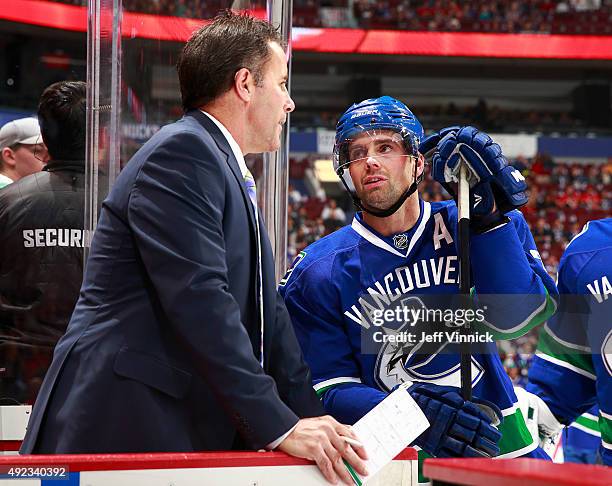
pixel 465 284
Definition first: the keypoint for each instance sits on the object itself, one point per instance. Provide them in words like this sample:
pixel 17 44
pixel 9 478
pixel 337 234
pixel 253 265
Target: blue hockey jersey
pixel 582 438
pixel 572 369
pixel 335 284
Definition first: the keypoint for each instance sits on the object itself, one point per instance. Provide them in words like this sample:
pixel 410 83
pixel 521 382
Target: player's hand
pixel 458 428
pixel 320 439
pixel 496 187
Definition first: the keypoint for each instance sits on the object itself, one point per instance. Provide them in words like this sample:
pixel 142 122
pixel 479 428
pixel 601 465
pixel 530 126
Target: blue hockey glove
pixel 496 187
pixel 458 428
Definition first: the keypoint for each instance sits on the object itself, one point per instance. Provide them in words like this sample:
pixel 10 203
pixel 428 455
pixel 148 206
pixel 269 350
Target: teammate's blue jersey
pixel 335 285
pixel 581 440
pixel 572 369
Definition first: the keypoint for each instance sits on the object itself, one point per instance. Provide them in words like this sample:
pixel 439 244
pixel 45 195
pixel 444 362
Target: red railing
pixel 515 472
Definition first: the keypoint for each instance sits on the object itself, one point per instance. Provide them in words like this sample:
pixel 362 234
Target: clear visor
pixel 381 160
pixel 374 144
pixel 373 147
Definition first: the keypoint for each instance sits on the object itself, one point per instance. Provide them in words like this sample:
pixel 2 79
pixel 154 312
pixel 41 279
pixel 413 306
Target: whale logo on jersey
pixel 400 241
pixel 606 352
pixel 402 362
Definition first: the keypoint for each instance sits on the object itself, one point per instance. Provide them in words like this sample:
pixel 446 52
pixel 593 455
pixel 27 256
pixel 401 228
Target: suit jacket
pixel 162 350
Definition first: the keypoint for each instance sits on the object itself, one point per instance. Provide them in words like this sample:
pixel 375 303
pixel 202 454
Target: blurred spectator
pixel 516 356
pixel 42 240
pixel 298 167
pixel 332 214
pixel 514 372
pixel 22 151
pixel 295 196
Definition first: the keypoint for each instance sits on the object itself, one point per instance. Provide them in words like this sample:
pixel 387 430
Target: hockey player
pixel 572 369
pixel 400 246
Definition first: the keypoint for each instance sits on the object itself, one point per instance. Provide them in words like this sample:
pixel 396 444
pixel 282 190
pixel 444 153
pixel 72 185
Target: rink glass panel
pixel 133 91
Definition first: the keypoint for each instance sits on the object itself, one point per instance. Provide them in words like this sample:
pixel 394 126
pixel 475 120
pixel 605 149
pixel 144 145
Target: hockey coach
pixel 179 339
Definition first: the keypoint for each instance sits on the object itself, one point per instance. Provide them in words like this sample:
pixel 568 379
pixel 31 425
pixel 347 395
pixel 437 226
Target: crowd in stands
pixel 563 198
pixel 490 118
pixel 525 16
pixel 578 17
pixel 516 356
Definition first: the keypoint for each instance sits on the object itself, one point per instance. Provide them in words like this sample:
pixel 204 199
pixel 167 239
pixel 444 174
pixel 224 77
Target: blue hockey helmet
pixel 369 117
pixel 384 113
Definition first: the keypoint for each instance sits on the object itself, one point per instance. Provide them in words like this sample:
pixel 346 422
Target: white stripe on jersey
pixel 524 322
pixel 563 364
pixel 567 344
pixel 336 381
pixel 584 230
pixel 586 430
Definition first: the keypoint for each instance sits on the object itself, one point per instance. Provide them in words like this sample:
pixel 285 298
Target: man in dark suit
pixel 179 340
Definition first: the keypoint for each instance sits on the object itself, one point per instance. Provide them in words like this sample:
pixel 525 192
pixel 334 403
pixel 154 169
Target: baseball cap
pixel 23 130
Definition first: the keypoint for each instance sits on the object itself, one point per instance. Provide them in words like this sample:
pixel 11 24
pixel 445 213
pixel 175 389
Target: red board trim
pixel 115 462
pixel 356 41
pixel 10 445
pixel 515 472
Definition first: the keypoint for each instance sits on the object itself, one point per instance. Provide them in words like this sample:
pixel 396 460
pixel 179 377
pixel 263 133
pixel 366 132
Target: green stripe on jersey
pixel 422 456
pixel 499 335
pixel 547 344
pixel 515 435
pixel 605 427
pixel 588 423
pixel 321 391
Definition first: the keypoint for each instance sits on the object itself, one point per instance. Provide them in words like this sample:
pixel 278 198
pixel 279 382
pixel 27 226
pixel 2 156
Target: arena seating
pixel 571 17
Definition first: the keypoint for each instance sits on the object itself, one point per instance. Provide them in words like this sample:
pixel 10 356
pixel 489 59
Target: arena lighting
pixel 356 41
pixel 324 170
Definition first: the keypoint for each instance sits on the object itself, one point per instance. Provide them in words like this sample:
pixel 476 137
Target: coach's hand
pixel 458 428
pixel 320 439
pixel 495 186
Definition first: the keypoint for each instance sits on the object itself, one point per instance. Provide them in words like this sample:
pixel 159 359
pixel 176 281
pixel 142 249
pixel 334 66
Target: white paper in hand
pixel 387 430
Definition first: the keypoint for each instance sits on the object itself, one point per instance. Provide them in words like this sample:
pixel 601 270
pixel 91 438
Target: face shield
pixel 375 146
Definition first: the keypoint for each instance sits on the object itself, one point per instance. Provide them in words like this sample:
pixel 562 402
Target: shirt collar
pixel 5 180
pixel 232 143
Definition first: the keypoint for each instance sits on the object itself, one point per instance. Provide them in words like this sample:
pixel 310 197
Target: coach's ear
pixel 244 84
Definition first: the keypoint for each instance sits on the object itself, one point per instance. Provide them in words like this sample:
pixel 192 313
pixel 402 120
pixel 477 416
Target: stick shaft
pixel 463 206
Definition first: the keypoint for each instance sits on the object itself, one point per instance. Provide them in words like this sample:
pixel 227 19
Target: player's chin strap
pixel 381 213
